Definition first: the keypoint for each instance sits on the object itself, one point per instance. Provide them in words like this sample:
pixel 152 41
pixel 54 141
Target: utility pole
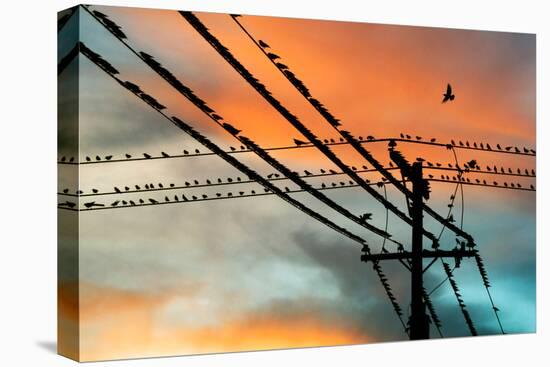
pixel 419 322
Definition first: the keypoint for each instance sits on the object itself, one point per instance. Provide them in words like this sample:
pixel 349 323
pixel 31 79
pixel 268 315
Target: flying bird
pixel 448 95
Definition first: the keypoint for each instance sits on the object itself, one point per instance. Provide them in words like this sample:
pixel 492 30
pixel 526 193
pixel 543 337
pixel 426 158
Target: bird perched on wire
pixel 272 56
pixel 92 204
pixel 231 129
pixel 263 44
pixel 365 217
pixel 299 142
pixel 448 95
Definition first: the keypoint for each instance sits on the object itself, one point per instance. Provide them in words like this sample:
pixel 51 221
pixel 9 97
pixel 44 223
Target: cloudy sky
pixel 256 273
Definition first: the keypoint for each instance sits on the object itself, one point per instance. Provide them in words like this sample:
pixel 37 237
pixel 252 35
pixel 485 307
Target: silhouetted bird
pixel 272 56
pixel 94 191
pixel 108 157
pixel 72 159
pixel 299 142
pixel 418 138
pixel 472 163
pixel 63 159
pixel 153 201
pixel 263 44
pixel 194 197
pixel 517 150
pixel 232 149
pixel 253 192
pixel 68 204
pixel 65 191
pixel 185 152
pixel 532 187
pixel 92 204
pixel 165 155
pixel 508 148
pixel 333 171
pixel 402 136
pixel 241 192
pixel 218 194
pixel 115 203
pixel 88 158
pixel 432 140
pixel 281 66
pixel 197 151
pixel 97 158
pixel 141 201
pixel 231 129
pixel 365 217
pixel 126 188
pixel 448 95
pixel 307 173
pixel 128 156
pixel 216 117
pixel 146 155
pixel 137 187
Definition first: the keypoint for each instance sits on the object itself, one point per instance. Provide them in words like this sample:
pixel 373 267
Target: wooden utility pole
pixel 419 322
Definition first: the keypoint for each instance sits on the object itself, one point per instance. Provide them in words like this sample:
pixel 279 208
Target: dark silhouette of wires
pixel 292 119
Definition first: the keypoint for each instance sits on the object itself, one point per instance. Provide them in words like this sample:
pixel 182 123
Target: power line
pixel 199 103
pixel 292 119
pixel 238 180
pixel 225 196
pixel 242 149
pixel 333 122
pixel 107 68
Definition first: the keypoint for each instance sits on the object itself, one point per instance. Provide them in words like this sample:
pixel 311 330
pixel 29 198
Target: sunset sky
pixel 256 273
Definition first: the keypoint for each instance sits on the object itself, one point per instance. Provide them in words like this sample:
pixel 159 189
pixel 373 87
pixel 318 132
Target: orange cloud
pixel 116 324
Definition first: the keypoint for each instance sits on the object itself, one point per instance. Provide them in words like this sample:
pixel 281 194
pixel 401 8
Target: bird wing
pixel 449 89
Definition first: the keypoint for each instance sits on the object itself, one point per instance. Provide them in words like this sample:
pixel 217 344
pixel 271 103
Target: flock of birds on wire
pixel 300 143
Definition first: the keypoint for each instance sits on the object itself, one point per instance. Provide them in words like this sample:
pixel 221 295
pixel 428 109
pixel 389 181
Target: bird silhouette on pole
pixel 448 95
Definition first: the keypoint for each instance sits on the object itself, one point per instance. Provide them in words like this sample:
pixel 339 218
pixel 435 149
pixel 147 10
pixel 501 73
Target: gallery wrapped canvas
pixel 232 182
